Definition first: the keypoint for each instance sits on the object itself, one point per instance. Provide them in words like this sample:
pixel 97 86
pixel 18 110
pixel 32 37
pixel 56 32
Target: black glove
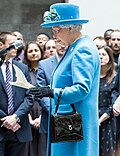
pixel 40 92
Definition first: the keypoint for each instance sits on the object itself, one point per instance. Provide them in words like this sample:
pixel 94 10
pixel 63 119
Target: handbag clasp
pixel 70 127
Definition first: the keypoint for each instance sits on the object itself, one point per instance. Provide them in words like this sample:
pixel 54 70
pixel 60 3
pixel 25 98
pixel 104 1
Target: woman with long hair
pixel 32 55
pixel 107 121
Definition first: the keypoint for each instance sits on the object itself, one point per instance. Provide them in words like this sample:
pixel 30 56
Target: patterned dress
pixel 107 132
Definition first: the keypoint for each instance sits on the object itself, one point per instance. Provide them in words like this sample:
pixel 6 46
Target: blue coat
pixel 78 73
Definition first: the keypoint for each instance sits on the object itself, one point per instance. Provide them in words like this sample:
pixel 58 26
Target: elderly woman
pixel 78 74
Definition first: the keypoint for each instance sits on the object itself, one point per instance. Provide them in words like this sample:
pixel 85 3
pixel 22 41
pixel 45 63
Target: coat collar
pixel 59 63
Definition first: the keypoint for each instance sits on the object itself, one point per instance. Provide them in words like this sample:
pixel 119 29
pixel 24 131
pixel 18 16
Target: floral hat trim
pixel 51 16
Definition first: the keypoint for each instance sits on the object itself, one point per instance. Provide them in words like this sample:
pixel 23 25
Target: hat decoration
pixel 51 16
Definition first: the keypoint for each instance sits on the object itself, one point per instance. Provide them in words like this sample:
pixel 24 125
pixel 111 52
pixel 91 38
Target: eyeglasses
pixel 56 31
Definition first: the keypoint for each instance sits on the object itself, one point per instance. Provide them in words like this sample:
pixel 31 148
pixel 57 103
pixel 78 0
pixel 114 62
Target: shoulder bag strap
pixel 73 107
pixel 58 102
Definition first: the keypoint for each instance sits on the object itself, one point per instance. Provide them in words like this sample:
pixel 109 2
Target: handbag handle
pixel 58 102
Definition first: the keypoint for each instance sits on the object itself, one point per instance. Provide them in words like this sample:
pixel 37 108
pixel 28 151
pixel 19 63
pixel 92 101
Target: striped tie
pixel 9 90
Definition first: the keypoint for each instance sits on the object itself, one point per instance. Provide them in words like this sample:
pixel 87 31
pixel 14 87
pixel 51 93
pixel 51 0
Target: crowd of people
pixel 86 69
pixel 43 53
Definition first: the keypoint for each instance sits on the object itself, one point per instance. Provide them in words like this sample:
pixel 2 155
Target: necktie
pixel 9 90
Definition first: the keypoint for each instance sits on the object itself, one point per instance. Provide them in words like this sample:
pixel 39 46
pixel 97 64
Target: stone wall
pixel 24 16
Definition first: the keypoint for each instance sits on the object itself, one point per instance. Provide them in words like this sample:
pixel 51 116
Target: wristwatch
pixel 17 118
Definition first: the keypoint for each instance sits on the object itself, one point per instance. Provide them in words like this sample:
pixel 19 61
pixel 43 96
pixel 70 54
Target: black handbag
pixel 65 127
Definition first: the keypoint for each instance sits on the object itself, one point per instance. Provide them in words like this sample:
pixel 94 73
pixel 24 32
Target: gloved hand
pixel 40 92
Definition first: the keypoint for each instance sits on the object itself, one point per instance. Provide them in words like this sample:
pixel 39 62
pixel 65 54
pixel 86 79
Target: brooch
pixel 71 50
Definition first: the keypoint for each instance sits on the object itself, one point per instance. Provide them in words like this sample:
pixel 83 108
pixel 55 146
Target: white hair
pixel 77 27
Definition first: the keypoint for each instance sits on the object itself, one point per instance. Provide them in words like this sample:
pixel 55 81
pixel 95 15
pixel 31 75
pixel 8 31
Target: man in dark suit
pixel 44 75
pixel 15 128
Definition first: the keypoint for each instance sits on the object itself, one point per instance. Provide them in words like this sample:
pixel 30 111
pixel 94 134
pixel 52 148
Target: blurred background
pixel 26 16
pixel 102 15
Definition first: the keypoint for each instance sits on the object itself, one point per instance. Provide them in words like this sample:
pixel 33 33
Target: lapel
pixel 14 76
pixel 2 80
pixel 54 61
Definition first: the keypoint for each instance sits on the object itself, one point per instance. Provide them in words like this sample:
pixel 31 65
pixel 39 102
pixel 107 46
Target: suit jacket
pixel 21 107
pixel 44 75
pixel 115 94
pixel 116 89
pixel 45 70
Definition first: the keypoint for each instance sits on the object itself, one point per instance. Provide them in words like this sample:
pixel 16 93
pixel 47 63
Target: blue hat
pixel 62 14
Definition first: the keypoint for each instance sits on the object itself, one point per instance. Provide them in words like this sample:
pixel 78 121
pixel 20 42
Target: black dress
pixel 33 147
pixel 107 131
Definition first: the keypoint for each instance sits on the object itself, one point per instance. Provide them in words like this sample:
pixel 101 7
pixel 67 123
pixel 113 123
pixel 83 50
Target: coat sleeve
pixel 2 113
pixel 41 78
pixel 24 107
pixel 83 68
